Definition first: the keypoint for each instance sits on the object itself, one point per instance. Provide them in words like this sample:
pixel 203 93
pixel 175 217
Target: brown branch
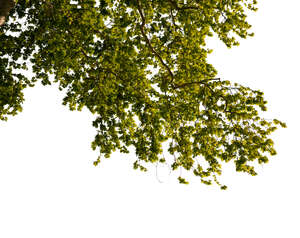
pixel 226 102
pixel 5 7
pixel 142 25
pixel 204 82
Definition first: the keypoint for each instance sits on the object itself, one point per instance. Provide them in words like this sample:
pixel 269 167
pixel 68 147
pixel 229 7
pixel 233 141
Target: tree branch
pixel 204 82
pixel 5 7
pixel 142 25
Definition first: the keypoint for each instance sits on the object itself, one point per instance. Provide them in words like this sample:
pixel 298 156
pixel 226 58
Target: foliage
pixel 141 67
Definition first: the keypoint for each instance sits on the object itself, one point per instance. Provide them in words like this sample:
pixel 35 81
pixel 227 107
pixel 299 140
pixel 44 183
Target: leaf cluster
pixel 141 67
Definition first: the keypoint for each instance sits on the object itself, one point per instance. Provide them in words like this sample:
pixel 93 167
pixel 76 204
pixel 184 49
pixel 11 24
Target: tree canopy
pixel 141 67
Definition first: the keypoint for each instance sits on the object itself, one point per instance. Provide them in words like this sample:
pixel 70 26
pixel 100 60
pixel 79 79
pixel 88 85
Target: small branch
pixel 5 7
pixel 221 96
pixel 82 51
pixel 204 82
pixel 191 83
pixel 142 26
pixel 224 17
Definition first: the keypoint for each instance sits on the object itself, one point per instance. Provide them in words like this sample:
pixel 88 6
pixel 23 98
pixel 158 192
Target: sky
pixel 50 188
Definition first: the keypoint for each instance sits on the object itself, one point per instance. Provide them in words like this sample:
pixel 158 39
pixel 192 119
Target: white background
pixel 50 188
